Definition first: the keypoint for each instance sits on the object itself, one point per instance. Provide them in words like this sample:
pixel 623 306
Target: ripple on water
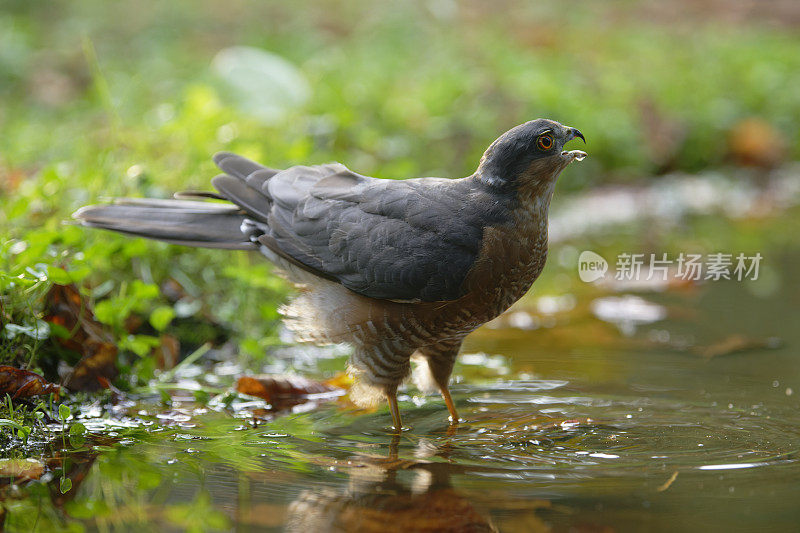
pixel 635 432
pixel 538 428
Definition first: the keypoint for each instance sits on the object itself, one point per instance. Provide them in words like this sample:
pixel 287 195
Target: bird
pixel 401 270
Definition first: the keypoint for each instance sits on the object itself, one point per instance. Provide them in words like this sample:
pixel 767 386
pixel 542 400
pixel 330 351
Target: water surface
pixel 571 422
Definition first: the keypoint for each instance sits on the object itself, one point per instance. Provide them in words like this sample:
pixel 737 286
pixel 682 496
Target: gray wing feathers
pixel 404 240
pixel 288 188
pixel 177 221
pixel 385 239
pixel 347 227
pixel 239 192
pixel 238 166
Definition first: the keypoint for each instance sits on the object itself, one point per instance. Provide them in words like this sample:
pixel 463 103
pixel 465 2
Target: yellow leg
pixel 398 424
pixel 450 406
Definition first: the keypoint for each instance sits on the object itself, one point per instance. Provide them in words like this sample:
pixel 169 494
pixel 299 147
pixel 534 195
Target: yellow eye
pixel 544 142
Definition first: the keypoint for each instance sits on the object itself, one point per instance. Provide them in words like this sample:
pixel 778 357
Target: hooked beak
pixel 573 133
pixel 574 155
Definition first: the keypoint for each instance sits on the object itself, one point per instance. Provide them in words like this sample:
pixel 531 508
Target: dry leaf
pixel 88 337
pixel 23 383
pixel 283 391
pixel 167 352
pixel 21 469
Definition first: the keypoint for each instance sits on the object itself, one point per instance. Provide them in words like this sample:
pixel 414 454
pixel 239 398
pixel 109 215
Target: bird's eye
pixel 544 142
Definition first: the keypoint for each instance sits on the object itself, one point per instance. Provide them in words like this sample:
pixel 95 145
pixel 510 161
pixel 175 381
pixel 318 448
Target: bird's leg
pixel 449 403
pixel 391 396
pixel 378 367
pixel 441 358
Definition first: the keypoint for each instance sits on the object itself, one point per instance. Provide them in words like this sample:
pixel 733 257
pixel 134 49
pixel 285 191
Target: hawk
pixel 398 269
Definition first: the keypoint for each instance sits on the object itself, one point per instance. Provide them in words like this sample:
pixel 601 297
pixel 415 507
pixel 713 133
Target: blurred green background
pixel 102 99
pixel 690 109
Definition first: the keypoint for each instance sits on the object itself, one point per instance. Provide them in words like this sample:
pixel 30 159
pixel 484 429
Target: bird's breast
pixel 512 257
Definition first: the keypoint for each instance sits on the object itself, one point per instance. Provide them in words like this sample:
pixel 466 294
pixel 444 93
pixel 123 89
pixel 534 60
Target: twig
pixel 669 482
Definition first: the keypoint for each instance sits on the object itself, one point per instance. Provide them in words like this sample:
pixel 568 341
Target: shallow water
pixel 581 424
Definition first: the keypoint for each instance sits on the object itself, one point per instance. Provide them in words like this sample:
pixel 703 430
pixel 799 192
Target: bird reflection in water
pixel 391 494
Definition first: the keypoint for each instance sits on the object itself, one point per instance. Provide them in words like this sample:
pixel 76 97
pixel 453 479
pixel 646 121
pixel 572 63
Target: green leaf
pixel 166 399
pixel 59 331
pixel 161 317
pixel 58 275
pixel 106 312
pixel 64 411
pixel 65 485
pixel 141 345
pixel 77 429
pixel 143 291
pixel 10 423
pixel 23 433
pixel 201 397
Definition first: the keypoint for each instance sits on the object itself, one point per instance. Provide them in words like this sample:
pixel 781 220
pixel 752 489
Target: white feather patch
pixel 422 376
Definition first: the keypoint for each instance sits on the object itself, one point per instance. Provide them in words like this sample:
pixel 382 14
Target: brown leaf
pixel 282 391
pixel 20 383
pixel 88 337
pixel 21 469
pixel 167 352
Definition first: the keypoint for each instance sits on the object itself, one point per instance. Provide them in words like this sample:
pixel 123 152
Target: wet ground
pixel 594 408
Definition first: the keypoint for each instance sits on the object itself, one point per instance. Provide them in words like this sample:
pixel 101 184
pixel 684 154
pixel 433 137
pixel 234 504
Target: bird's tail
pixel 187 222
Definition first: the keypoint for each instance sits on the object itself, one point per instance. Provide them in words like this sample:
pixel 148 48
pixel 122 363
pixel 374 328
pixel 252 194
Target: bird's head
pixel 530 155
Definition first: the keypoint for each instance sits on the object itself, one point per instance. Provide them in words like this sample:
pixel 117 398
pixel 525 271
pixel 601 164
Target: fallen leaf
pixel 21 469
pixel 167 352
pixel 66 308
pixel 342 380
pixel 283 391
pixel 20 383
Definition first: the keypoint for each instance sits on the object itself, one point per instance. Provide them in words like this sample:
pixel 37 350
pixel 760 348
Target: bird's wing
pixel 401 240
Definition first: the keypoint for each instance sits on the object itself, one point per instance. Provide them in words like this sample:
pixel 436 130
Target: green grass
pixel 103 99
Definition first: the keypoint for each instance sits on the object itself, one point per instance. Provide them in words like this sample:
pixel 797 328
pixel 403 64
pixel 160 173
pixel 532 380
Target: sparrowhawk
pixel 399 269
